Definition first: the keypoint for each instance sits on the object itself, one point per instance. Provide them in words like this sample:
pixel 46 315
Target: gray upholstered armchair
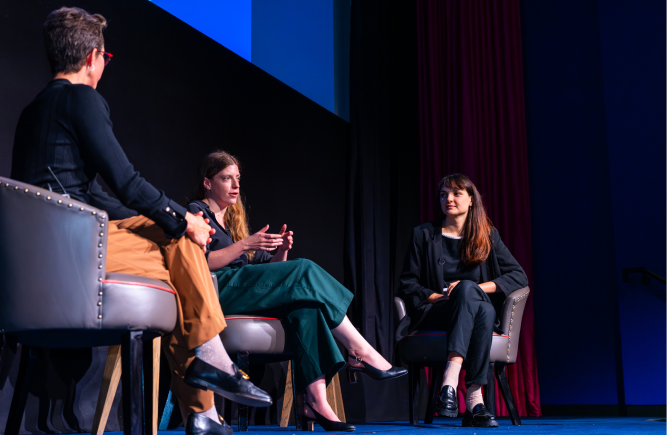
pixel 424 348
pixel 55 292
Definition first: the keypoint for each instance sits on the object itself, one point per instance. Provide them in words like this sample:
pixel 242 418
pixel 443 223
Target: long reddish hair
pixel 476 234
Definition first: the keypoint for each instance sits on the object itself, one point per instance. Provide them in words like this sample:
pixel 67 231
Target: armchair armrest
pixel 399 305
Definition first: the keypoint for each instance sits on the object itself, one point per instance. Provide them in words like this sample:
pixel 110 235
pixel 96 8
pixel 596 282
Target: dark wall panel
pixel 573 245
pixel 633 61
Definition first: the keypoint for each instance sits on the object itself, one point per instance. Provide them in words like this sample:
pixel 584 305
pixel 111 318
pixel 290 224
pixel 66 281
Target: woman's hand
pixel 437 297
pixel 288 240
pixel 198 229
pixel 261 241
pixel 451 287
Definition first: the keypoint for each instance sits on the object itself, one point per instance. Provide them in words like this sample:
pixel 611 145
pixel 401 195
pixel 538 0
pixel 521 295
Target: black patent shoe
pixel 447 404
pixel 327 425
pixel 479 417
pixel 372 372
pixel 199 424
pixel 237 388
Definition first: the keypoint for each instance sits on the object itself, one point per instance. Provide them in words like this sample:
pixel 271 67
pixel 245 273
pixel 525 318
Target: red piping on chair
pixel 113 281
pixel 437 335
pixel 252 317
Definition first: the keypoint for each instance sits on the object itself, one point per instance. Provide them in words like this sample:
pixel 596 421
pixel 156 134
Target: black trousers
pixel 467 317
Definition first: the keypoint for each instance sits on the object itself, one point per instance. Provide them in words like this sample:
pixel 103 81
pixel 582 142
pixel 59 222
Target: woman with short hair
pixel 311 303
pixel 454 271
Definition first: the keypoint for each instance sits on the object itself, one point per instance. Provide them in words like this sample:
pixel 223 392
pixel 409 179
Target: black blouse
pixel 223 238
pixel 453 269
pixel 66 131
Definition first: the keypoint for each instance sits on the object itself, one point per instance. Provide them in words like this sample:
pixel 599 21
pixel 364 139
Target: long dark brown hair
pixel 236 219
pixel 476 234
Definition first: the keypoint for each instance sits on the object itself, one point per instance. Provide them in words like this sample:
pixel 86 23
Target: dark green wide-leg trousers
pixel 309 301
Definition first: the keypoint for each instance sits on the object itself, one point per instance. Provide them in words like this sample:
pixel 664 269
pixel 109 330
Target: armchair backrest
pixel 510 319
pixel 52 260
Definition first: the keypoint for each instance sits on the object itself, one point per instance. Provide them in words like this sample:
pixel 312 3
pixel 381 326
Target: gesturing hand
pixel 198 229
pixel 288 240
pixel 261 241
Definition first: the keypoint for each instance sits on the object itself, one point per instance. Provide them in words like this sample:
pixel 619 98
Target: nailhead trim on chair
pixel 101 249
pixel 509 341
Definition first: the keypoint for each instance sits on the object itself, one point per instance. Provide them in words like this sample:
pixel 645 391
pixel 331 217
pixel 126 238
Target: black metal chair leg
pixel 17 408
pixel 306 426
pixel 228 411
pixel 507 394
pixel 298 404
pixel 133 405
pixel 242 360
pixel 436 381
pixel 413 392
pixel 490 397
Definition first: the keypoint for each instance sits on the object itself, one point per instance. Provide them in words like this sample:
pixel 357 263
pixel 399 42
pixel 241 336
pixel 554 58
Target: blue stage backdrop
pixel 293 40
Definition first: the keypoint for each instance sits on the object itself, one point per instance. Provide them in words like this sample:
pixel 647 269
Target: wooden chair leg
pixel 413 392
pixel 242 361
pixel 131 359
pixel 507 394
pixel 110 380
pixel 27 365
pixel 436 381
pixel 151 365
pixel 490 390
pixel 288 398
pixel 335 398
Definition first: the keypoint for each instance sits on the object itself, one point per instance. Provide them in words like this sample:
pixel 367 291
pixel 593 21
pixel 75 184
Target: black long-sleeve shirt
pixel 67 128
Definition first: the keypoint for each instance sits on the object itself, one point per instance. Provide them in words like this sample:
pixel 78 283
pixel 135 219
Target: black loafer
pixel 447 404
pixel 201 425
pixel 479 417
pixel 237 388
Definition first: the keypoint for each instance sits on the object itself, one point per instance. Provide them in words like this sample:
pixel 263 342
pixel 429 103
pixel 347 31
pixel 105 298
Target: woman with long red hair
pixel 454 271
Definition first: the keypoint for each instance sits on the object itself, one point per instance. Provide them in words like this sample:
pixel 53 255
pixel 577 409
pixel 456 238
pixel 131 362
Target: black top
pixel 223 238
pixel 67 128
pixel 453 268
pixel 423 274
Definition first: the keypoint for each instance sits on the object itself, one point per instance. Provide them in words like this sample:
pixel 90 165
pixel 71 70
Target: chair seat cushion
pixel 253 334
pixel 132 302
pixel 429 348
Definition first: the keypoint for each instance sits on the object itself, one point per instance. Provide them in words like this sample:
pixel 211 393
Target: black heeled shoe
pixel 237 388
pixel 372 372
pixel 327 425
pixel 201 425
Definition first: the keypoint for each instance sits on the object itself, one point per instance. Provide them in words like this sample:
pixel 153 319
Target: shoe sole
pixel 359 372
pixel 238 398
pixel 450 414
pixel 469 424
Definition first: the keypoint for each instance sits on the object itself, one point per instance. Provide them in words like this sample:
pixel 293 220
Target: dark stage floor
pixel 543 425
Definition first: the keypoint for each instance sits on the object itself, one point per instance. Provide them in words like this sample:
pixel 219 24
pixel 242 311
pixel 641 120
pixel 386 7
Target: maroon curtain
pixel 472 121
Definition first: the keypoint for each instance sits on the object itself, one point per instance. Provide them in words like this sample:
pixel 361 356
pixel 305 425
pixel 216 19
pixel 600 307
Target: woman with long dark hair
pixel 455 269
pixel 311 302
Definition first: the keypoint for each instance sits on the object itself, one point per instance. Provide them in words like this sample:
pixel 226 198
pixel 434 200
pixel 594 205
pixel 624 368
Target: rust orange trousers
pixel 138 246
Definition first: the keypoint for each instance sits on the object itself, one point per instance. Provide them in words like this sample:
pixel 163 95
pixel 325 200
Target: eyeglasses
pixel 107 57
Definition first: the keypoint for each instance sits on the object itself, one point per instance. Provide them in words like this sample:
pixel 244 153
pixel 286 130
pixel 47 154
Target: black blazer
pixel 422 275
pixel 67 128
